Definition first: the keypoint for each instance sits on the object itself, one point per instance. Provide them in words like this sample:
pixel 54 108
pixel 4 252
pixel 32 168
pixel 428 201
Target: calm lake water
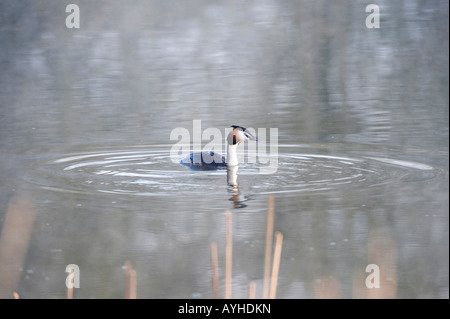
pixel 86 117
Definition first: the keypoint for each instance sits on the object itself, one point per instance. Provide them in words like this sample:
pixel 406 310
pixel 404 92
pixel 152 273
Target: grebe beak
pixel 250 136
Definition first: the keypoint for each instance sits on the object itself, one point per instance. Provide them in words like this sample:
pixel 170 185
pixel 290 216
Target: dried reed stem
pixel 276 264
pixel 15 236
pixel 70 289
pixel 251 290
pixel 268 253
pixel 215 273
pixel 133 284
pixel 130 281
pixel 228 256
pixel 69 293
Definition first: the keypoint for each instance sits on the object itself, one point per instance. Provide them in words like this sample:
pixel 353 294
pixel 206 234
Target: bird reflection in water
pixel 233 188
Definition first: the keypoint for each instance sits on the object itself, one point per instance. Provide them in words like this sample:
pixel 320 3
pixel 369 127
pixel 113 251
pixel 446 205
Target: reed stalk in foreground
pixel 214 266
pixel 268 253
pixel 228 255
pixel 15 235
pixel 276 264
pixel 70 288
pixel 130 281
pixel 252 290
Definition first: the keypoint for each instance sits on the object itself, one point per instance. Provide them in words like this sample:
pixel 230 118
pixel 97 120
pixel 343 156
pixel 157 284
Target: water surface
pixel 362 114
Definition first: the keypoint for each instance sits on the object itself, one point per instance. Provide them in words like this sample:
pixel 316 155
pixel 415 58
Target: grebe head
pixel 239 134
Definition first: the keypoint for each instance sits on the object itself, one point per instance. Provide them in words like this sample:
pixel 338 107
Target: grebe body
pixel 204 160
pixel 208 160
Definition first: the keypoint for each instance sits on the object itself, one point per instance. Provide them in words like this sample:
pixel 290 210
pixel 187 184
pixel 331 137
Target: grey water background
pixel 362 116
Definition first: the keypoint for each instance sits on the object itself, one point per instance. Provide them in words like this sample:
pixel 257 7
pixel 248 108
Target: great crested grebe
pixel 208 160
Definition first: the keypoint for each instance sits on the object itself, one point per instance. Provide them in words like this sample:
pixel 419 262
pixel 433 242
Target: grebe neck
pixel 232 159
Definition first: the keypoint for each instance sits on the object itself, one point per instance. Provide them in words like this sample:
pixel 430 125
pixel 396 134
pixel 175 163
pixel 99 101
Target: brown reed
pixel 214 266
pixel 70 289
pixel 252 290
pixel 130 281
pixel 15 236
pixel 268 253
pixel 228 255
pixel 276 264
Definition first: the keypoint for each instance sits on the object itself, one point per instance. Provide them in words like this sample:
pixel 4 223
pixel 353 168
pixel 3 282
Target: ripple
pixel 150 172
